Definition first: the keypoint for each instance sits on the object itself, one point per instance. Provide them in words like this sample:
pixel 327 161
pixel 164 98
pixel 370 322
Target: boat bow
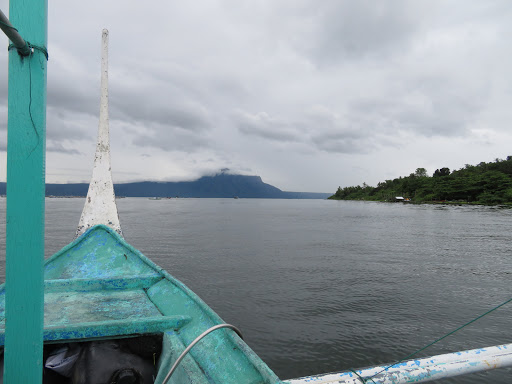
pixel 100 205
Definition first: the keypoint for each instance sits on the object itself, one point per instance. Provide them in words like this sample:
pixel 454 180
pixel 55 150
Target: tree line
pixel 485 183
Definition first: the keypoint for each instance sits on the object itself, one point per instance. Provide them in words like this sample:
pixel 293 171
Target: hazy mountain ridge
pixel 220 185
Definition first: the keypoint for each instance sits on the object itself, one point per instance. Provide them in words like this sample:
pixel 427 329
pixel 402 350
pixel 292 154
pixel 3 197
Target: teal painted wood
pixel 100 287
pixel 25 197
pixel 112 328
pixel 87 285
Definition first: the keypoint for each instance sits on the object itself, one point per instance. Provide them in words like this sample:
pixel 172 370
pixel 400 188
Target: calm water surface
pixel 319 286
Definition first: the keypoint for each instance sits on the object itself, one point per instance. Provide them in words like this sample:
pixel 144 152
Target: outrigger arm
pixel 13 35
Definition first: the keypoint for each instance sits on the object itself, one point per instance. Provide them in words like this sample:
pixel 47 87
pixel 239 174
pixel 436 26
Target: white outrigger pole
pixel 420 370
pixel 100 204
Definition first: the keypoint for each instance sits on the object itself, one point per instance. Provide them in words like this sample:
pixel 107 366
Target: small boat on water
pixel 113 316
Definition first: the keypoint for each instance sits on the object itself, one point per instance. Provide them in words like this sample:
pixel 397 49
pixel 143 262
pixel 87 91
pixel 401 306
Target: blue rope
pixel 364 380
pixel 445 336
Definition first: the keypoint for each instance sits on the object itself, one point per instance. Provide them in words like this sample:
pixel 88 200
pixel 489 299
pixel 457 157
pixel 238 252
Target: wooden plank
pixel 26 147
pixel 76 307
pixel 105 284
pixel 112 328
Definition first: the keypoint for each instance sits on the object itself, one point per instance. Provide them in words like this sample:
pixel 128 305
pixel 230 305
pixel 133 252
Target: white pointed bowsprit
pixel 100 204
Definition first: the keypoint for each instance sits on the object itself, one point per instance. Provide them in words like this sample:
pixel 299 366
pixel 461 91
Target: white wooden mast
pixel 100 204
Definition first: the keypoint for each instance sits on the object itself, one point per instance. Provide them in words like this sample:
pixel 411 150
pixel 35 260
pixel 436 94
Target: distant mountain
pixel 220 185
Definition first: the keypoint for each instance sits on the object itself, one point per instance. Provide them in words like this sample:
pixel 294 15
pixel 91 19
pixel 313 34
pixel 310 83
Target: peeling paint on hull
pixel 99 287
pixel 100 204
pixel 421 370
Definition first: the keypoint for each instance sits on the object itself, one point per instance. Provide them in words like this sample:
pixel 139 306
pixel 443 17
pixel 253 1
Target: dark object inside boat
pixel 121 361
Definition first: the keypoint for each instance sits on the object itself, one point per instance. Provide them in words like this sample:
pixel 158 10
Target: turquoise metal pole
pixel 26 146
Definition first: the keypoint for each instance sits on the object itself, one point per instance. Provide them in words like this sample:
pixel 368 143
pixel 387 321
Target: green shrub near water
pixel 485 183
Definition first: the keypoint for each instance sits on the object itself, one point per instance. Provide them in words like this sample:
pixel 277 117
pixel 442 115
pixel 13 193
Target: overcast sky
pixel 309 95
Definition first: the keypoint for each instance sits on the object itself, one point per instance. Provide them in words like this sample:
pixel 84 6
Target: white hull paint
pixel 421 370
pixel 100 206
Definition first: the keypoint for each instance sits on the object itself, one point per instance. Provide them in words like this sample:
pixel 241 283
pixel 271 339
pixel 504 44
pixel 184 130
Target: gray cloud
pixel 167 101
pixel 3 120
pixel 318 129
pixel 342 144
pixel 353 29
pixel 264 126
pixel 429 107
pixel 60 148
pixel 3 85
pixel 187 116
pixel 62 125
pixel 368 123
pixel 346 133
pixel 63 94
pixel 168 138
pixel 73 86
pixel 440 107
pixel 304 84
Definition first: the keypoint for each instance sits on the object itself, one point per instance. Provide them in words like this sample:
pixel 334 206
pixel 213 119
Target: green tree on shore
pixel 486 183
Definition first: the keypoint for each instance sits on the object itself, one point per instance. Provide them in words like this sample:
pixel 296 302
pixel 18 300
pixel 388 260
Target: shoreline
pixel 440 202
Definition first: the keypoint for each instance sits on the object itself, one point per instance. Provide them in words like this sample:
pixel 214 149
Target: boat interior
pixel 130 360
pixel 114 314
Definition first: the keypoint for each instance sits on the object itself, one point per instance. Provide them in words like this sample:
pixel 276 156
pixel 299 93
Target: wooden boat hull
pixel 100 288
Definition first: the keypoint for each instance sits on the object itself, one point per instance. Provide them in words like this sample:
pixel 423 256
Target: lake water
pixel 318 286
